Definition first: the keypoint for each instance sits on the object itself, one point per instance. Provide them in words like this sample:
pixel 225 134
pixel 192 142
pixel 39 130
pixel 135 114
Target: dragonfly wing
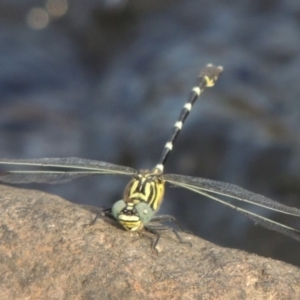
pixel 262 221
pixel 272 225
pixel 198 184
pixel 83 167
pixel 41 177
pixel 72 163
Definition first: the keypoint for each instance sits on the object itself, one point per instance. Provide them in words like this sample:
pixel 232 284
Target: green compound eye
pixel 144 211
pixel 117 207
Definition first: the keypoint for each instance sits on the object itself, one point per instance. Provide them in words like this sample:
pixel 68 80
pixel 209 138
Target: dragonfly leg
pixel 104 212
pixel 167 218
pixel 157 237
pixel 107 213
pixel 156 228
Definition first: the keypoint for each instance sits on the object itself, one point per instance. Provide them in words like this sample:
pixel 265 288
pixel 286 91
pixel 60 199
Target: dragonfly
pixel 144 193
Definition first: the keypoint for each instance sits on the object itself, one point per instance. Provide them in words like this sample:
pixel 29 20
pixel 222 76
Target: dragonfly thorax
pixel 142 198
pixel 145 187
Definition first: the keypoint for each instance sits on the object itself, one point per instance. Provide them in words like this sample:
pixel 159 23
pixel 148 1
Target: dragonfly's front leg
pixel 156 228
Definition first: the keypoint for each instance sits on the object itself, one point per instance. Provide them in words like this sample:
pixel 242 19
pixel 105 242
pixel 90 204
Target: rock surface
pixel 46 252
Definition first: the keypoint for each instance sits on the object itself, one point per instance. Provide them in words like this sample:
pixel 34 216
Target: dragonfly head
pixel 132 216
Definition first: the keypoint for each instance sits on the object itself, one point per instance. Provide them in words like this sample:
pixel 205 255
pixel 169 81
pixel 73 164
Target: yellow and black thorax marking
pixel 145 187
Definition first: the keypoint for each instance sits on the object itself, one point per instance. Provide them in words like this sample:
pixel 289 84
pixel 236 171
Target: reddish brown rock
pixel 46 252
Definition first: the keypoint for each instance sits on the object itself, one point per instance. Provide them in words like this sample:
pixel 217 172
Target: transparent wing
pixel 210 188
pixel 82 168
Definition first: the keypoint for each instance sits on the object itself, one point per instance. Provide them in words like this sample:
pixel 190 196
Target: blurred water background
pixel 106 80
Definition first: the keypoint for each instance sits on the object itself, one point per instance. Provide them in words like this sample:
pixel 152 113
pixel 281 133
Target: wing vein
pixel 262 221
pixel 229 190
